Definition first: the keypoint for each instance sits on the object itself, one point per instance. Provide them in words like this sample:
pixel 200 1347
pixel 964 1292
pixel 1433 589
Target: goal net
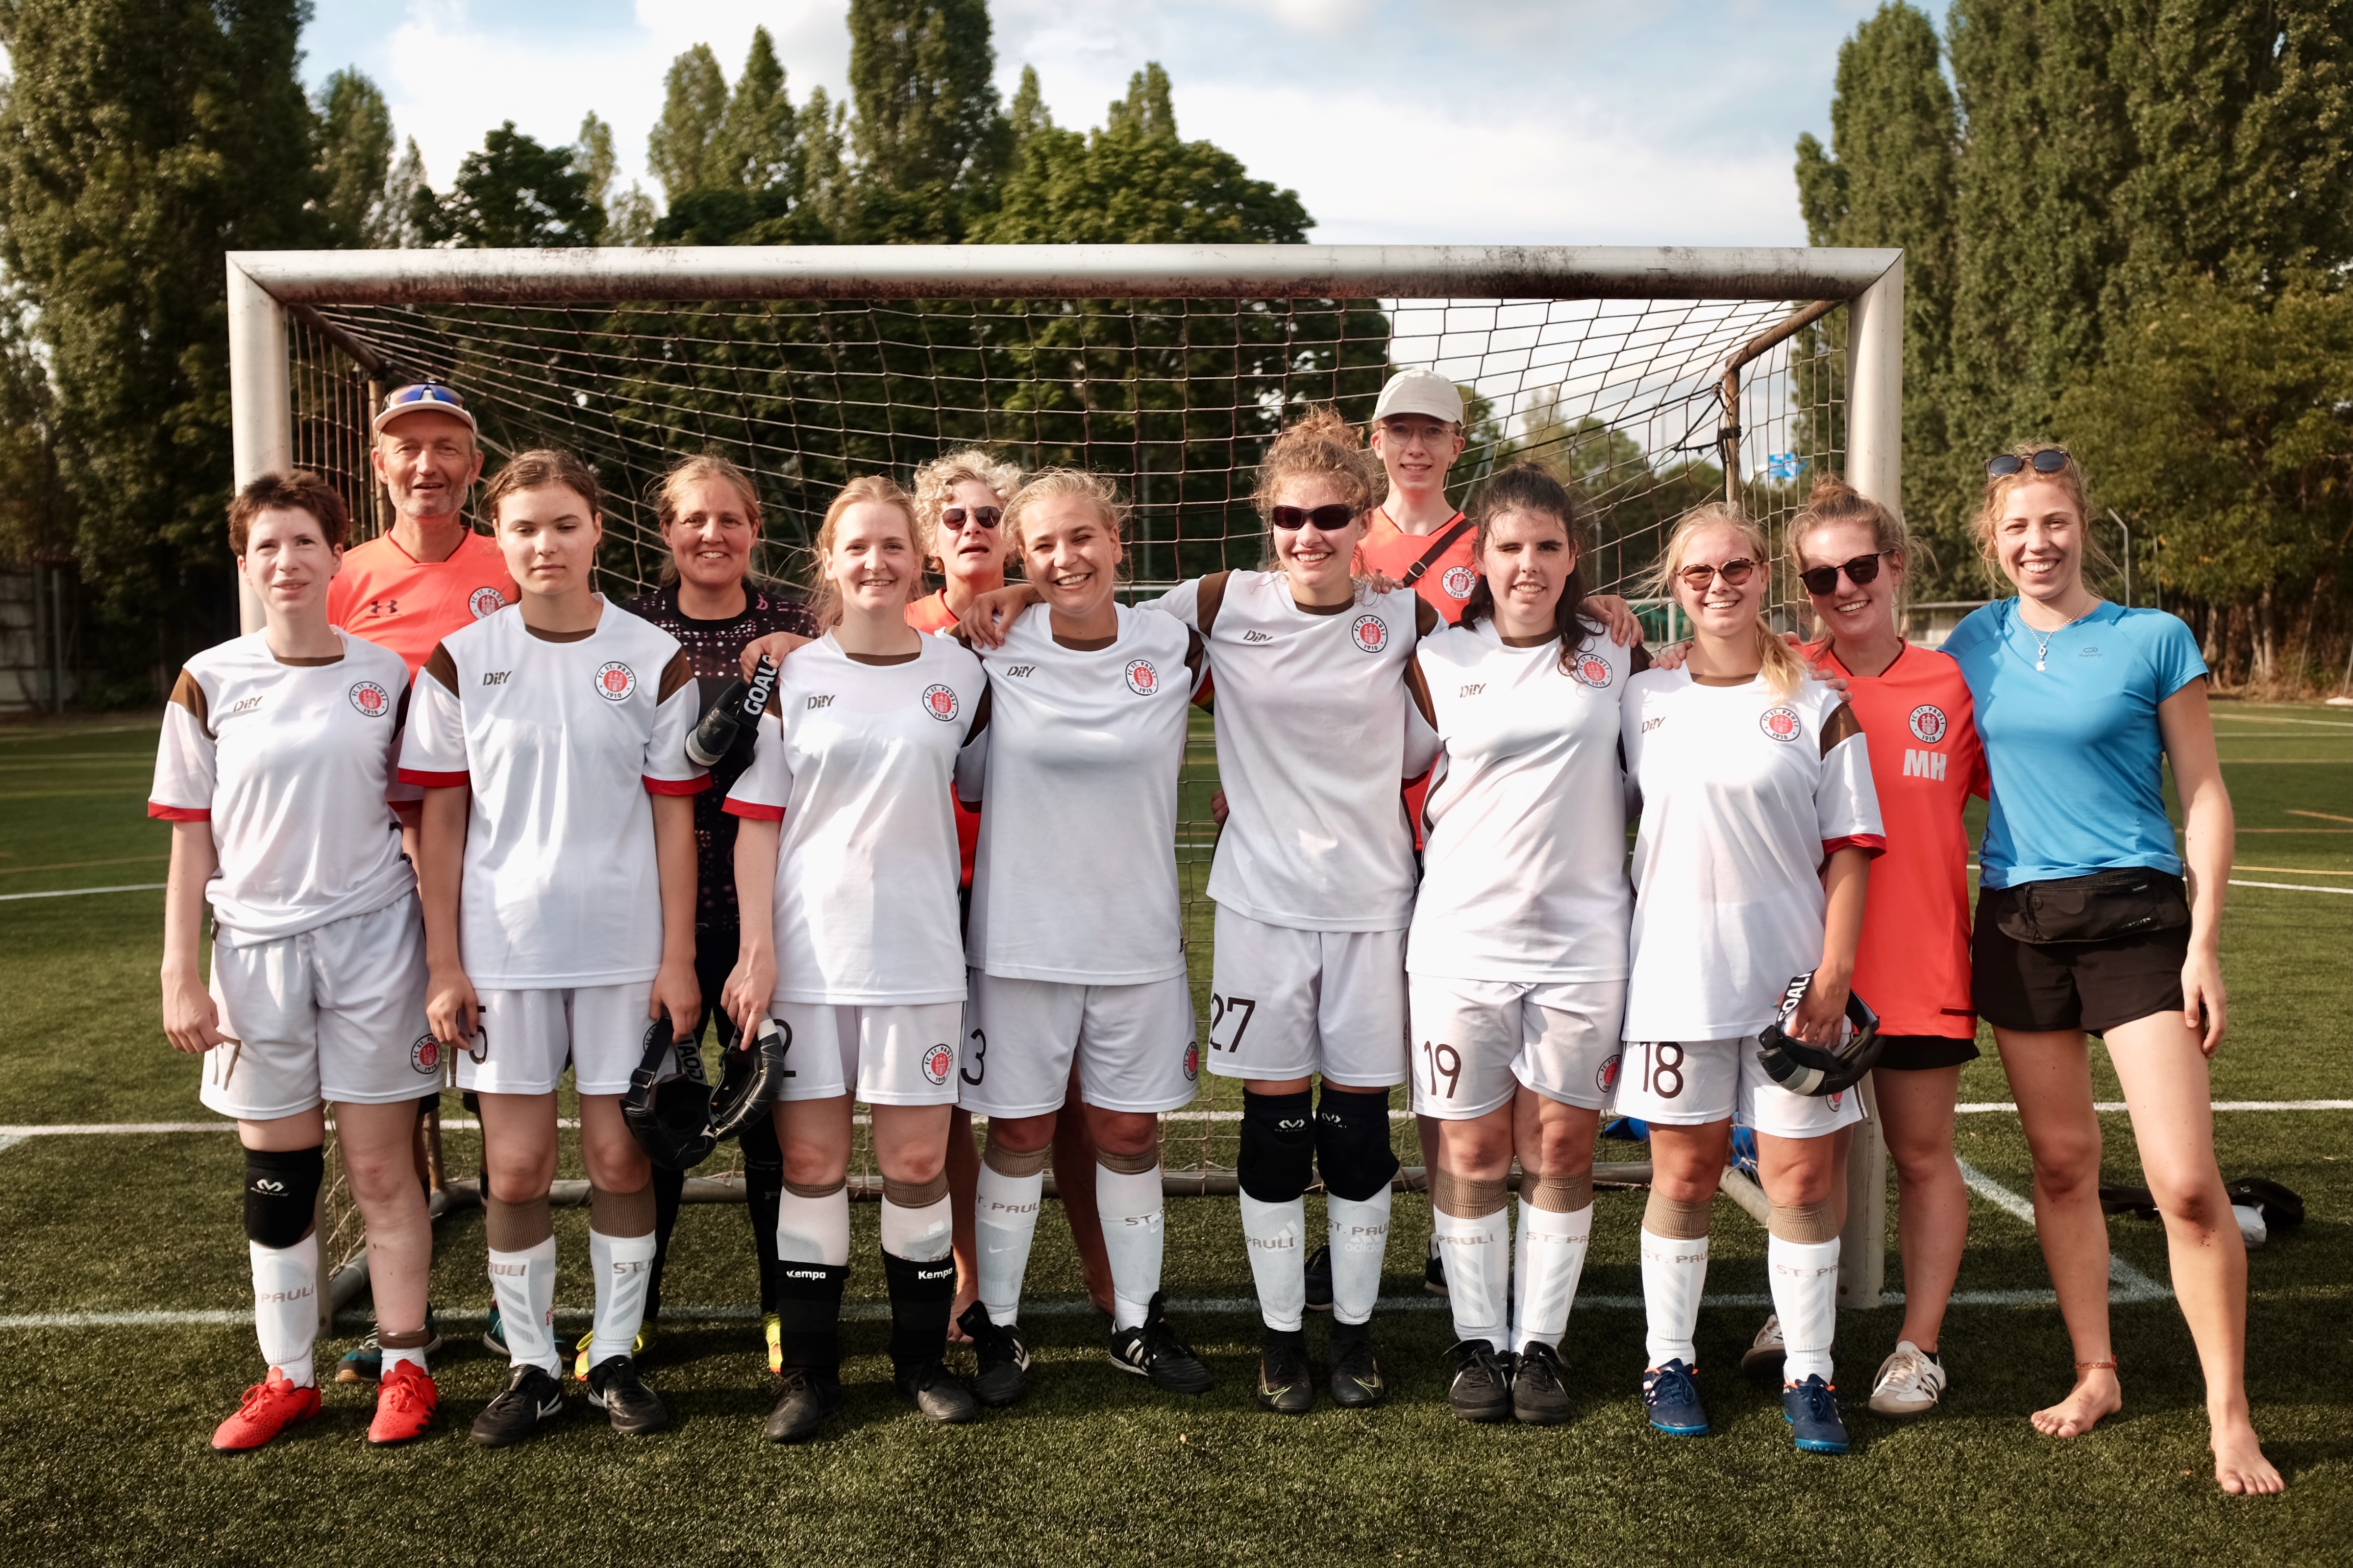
pixel 1652 379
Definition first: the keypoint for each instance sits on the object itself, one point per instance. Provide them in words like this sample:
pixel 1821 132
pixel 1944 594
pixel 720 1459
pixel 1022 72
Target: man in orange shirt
pixel 1416 536
pixel 431 573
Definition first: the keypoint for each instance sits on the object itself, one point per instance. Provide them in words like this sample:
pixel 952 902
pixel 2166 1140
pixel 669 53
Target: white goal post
pixel 1657 375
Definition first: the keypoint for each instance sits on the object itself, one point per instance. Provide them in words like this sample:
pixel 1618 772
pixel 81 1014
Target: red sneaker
pixel 405 1403
pixel 268 1408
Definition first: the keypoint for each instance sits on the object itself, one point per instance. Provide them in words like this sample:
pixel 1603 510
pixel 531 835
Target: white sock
pixel 1130 1203
pixel 813 1230
pixel 1359 1234
pixel 1805 1297
pixel 286 1306
pixel 524 1286
pixel 919 1235
pixel 1551 1257
pixel 1674 1273
pixel 413 1355
pixel 1477 1259
pixel 624 1266
pixel 1006 1214
pixel 1278 1258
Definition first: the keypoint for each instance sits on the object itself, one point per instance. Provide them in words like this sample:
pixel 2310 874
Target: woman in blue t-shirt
pixel 2085 926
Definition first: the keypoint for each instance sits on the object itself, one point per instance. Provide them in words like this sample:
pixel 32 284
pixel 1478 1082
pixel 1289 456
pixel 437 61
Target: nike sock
pixel 286 1306
pixel 1551 1259
pixel 1130 1203
pixel 524 1284
pixel 1674 1273
pixel 1477 1252
pixel 1005 1217
pixel 1358 1230
pixel 1277 1260
pixel 1805 1296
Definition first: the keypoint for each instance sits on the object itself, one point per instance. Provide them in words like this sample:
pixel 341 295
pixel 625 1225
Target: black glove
pixel 741 703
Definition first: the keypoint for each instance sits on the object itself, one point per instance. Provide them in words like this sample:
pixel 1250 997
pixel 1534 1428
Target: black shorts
pixel 1920 1053
pixel 2088 985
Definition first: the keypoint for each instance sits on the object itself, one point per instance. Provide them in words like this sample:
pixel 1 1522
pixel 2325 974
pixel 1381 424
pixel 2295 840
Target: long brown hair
pixel 538 469
pixel 824 597
pixel 1528 486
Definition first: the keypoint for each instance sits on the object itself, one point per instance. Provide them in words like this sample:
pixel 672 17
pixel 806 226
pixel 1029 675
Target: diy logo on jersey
pixel 1927 722
pixel 1371 633
pixel 1458 582
pixel 1141 678
pixel 1589 669
pixel 485 601
pixel 615 681
pixel 939 1061
pixel 940 703
pixel 1781 723
pixel 371 699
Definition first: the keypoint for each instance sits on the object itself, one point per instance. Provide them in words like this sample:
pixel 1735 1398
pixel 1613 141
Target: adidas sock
pixel 1006 1216
pixel 524 1284
pixel 1130 1203
pixel 1805 1295
pixel 286 1306
pixel 1278 1260
pixel 1551 1259
pixel 1674 1273
pixel 1477 1251
pixel 1358 1230
pixel 624 1266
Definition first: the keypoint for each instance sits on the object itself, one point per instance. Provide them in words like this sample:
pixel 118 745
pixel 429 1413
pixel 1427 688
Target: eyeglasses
pixel 1734 573
pixel 1329 519
pixel 1824 579
pixel 2048 460
pixel 987 516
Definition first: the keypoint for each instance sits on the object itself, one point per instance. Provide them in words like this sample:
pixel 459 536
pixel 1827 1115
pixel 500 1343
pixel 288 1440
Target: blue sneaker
pixel 1674 1400
pixel 363 1363
pixel 494 1332
pixel 1811 1408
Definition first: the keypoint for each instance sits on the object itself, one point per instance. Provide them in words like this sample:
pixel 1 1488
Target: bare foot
pixel 1099 1290
pixel 2097 1394
pixel 2240 1467
pixel 956 1336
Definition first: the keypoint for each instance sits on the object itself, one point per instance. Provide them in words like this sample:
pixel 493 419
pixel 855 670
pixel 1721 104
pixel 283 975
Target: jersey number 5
pixel 1224 1007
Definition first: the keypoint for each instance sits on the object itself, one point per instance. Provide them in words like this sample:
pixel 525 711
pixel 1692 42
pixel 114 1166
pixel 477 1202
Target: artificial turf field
pixel 103 1419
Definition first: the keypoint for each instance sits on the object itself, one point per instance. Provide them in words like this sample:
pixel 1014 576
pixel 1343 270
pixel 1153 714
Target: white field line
pixel 1981 1107
pixel 2126 1285
pixel 2294 888
pixel 78 892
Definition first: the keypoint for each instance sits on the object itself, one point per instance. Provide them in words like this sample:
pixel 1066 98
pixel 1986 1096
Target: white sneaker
pixel 1765 1352
pixel 1909 1383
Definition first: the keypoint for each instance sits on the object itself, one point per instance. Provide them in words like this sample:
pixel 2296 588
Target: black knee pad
pixel 1278 1154
pixel 1352 1142
pixel 281 1194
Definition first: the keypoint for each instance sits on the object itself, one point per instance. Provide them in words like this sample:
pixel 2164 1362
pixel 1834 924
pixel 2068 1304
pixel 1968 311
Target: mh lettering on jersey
pixel 1920 765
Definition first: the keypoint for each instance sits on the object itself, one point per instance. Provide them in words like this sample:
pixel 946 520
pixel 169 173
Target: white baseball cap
pixel 1419 392
pixel 424 397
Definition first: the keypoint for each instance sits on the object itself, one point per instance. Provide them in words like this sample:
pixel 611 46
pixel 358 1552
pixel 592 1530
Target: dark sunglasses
pixel 1330 519
pixel 2048 460
pixel 1824 579
pixel 1734 573
pixel 987 516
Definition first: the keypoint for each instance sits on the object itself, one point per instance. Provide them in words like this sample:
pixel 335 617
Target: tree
pixel 628 216
pixel 139 141
pixel 756 147
pixel 929 134
pixel 400 199
pixel 513 193
pixel 36 511
pixel 681 150
pixel 355 162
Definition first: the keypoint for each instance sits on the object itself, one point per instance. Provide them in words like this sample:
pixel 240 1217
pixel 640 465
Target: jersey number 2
pixel 1224 1007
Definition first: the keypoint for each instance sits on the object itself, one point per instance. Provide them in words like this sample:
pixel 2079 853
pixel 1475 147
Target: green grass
pixel 105 1428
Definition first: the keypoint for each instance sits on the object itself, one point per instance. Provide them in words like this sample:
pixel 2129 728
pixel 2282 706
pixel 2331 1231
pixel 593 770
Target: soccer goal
pixel 1653 378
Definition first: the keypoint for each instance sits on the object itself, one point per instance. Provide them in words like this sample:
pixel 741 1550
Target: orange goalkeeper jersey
pixel 387 595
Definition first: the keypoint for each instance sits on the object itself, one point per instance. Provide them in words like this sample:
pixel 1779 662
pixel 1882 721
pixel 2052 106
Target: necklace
pixel 2042 639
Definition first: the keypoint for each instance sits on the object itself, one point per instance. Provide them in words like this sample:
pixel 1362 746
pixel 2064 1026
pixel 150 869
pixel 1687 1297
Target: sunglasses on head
pixel 1734 573
pixel 987 516
pixel 424 392
pixel 1824 579
pixel 2048 460
pixel 1329 519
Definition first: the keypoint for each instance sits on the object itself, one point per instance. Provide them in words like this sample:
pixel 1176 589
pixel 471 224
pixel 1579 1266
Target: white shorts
pixel 1693 1083
pixel 529 1036
pixel 891 1055
pixel 1475 1041
pixel 1284 1003
pixel 334 1013
pixel 1134 1044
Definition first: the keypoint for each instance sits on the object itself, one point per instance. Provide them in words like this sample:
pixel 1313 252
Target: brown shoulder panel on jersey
pixel 189 695
pixel 1210 600
pixel 980 711
pixel 400 713
pixel 443 668
pixel 677 672
pixel 1638 660
pixel 1425 616
pixel 1419 686
pixel 1842 725
pixel 1197 655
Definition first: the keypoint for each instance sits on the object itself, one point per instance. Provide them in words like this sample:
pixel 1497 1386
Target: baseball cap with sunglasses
pixel 1861 570
pixel 2048 460
pixel 423 397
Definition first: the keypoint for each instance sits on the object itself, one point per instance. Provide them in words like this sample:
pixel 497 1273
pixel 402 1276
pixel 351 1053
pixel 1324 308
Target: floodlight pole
pixel 260 401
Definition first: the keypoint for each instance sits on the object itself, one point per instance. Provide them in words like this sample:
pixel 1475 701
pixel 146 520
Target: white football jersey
pixel 292 764
pixel 561 738
pixel 1076 878
pixel 1524 875
pixel 1314 721
pixel 859 760
pixel 1742 802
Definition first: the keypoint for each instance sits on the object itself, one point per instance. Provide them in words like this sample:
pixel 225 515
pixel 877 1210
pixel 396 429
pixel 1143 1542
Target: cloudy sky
pixel 1558 122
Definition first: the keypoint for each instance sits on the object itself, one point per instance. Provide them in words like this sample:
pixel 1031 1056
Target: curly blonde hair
pixel 1047 484
pixel 1784 671
pixel 935 484
pixel 1321 443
